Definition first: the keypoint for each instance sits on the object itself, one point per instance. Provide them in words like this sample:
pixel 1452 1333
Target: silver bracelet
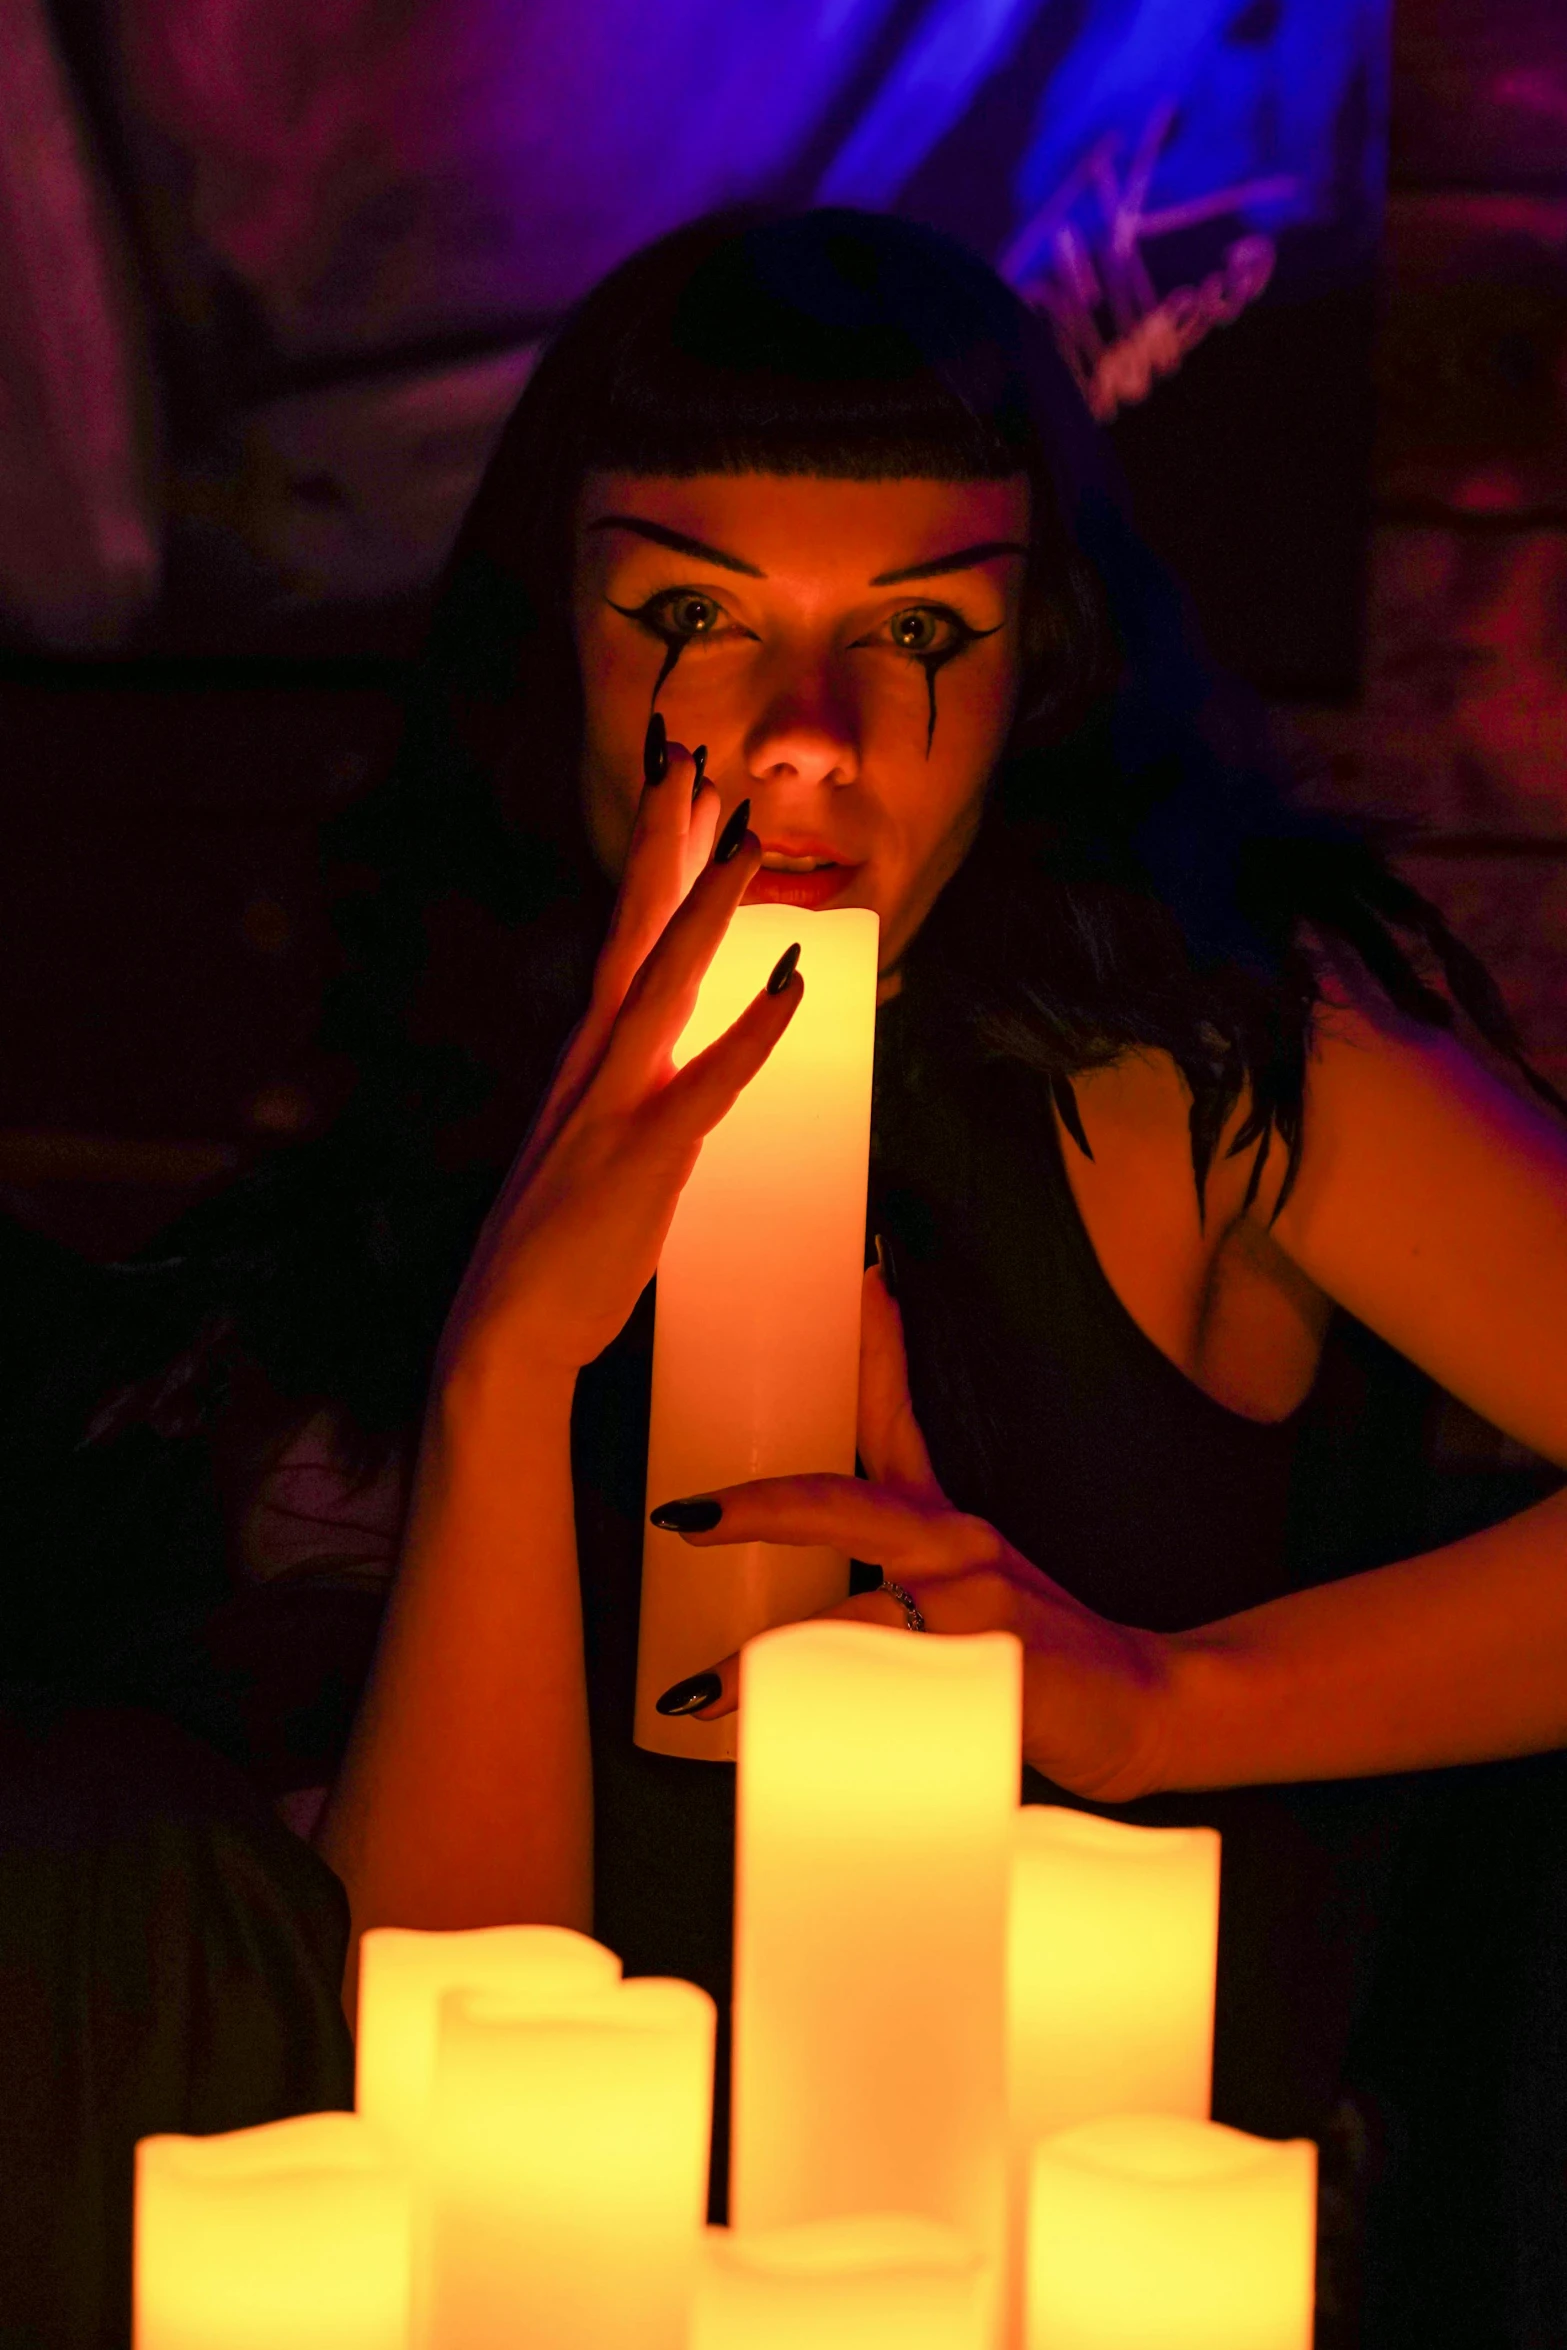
pixel 912 1618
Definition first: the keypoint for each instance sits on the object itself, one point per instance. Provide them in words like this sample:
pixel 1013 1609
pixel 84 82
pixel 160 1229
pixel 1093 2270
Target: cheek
pixel 932 795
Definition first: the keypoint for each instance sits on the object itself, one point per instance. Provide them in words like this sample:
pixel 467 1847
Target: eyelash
pixel 649 615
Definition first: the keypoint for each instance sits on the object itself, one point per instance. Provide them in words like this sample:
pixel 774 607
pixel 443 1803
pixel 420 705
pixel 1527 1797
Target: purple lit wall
pixel 351 223
pixel 270 273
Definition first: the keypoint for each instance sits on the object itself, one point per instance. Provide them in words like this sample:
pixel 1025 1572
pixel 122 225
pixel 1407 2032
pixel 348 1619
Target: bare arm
pixel 1456 1656
pixel 466 1796
pixel 1433 1204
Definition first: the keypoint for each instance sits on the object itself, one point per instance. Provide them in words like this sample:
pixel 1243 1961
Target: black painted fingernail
pixel 888 1263
pixel 732 838
pixel 655 750
pixel 689 1697
pixel 699 755
pixel 687 1517
pixel 783 970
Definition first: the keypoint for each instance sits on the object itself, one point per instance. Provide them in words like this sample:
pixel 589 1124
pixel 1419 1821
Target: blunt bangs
pixel 833 343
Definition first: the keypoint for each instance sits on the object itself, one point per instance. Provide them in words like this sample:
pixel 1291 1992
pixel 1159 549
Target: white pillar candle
pixel 890 2282
pixel 1147 2232
pixel 403 1976
pixel 878 1784
pixel 757 1334
pixel 294 2234
pixel 567 2175
pixel 1112 1943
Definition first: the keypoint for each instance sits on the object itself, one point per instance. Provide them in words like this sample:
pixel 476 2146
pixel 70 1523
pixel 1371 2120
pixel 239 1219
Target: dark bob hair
pixel 1138 879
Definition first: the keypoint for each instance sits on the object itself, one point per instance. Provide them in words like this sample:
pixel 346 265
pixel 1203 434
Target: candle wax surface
pixel 403 1976
pixel 567 2176
pixel 1149 2232
pixel 877 1794
pixel 296 2234
pixel 1112 1948
pixel 879 2282
pixel 757 1332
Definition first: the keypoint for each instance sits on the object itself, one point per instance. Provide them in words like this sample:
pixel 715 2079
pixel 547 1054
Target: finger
pixel 702 828
pixel 867 1607
pixel 658 871
pixel 890 1443
pixel 878 1523
pixel 662 999
pixel 706 1089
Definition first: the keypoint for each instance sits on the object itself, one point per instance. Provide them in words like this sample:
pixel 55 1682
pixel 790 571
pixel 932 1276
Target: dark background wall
pixel 268 453
pixel 1461 723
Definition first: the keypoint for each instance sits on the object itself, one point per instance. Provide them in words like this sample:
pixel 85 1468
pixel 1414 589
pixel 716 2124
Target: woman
pixel 793 578
pixel 1160 1089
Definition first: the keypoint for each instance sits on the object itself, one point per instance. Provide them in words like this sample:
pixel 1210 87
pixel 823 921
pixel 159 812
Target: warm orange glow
pixel 292 2235
pixel 1147 2232
pixel 756 1346
pixel 878 1786
pixel 876 2283
pixel 403 1976
pixel 567 2171
pixel 1112 1945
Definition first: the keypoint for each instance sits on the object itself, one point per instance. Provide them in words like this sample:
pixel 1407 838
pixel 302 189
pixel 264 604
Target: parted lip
pixel 811 887
pixel 823 851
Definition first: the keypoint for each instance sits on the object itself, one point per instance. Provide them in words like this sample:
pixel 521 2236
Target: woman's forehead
pixel 775 524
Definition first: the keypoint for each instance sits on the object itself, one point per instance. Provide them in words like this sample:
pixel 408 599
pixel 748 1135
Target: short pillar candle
pixel 1149 2232
pixel 293 2234
pixel 567 2174
pixel 404 1975
pixel 1112 1944
pixel 756 1342
pixel 878 1786
pixel 891 2282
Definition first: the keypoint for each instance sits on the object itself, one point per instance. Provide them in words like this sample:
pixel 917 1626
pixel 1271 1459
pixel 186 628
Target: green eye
pixel 918 631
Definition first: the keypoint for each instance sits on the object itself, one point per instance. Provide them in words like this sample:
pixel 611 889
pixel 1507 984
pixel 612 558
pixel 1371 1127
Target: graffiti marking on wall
pixel 1080 260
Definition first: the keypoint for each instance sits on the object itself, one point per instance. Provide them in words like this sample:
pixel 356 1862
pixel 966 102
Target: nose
pixel 807 732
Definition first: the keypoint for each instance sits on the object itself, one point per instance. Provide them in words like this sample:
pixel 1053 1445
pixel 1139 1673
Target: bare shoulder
pixel 1136 1116
pixel 1208 1284
pixel 1432 1203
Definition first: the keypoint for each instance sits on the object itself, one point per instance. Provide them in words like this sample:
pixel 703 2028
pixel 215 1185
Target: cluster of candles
pixel 972 2041
pixel 972 2064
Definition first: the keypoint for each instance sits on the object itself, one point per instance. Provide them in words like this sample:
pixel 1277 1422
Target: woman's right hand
pixel 576 1232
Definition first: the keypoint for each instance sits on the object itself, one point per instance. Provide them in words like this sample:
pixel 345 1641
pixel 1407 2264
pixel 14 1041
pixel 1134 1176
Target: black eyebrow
pixel 677 542
pixel 964 559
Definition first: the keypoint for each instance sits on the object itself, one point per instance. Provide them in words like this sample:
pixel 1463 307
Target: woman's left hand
pixel 1093 1690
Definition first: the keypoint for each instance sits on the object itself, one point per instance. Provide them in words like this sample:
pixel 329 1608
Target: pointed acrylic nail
pixel 699 756
pixel 655 750
pixel 732 839
pixel 687 1517
pixel 689 1697
pixel 783 970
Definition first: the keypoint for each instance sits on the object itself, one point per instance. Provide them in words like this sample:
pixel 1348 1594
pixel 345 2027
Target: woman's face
pixel 848 651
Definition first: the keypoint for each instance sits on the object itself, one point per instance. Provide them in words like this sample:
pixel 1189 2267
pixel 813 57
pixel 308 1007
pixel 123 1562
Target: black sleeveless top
pixel 1047 1411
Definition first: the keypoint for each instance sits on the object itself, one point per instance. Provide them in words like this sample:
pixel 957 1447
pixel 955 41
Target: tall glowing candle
pixel 403 1976
pixel 889 2282
pixel 567 2173
pixel 757 1335
pixel 1148 2232
pixel 878 1785
pixel 296 2233
pixel 1112 1944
